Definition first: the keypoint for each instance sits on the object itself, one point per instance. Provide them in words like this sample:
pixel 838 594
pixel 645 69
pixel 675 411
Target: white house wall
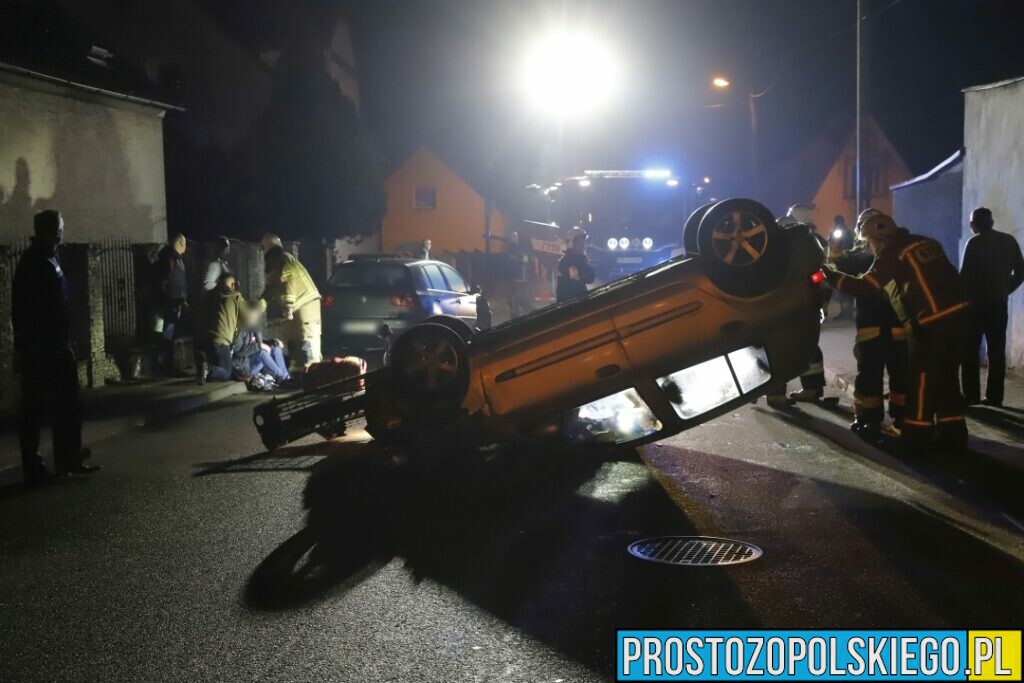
pixel 994 177
pixel 101 165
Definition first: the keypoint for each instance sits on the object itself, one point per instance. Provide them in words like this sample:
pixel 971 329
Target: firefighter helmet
pixel 873 224
pixel 803 213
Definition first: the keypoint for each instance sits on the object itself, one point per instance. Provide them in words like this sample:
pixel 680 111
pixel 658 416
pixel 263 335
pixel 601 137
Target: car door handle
pixel 606 371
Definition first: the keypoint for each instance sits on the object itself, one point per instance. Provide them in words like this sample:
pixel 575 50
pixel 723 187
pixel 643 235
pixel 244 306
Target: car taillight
pixel 327 301
pixel 403 300
pixel 818 277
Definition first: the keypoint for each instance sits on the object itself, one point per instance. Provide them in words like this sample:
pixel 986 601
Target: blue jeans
pixel 273 362
pixel 219 362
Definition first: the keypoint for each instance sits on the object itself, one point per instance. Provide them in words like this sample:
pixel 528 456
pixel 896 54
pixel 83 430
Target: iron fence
pixel 120 310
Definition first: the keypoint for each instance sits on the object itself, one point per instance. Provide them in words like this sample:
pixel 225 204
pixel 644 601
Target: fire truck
pixel 634 217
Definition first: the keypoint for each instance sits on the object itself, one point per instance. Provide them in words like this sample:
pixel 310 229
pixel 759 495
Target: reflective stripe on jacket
pixel 292 287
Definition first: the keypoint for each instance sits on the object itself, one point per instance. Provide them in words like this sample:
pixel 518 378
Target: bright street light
pixel 720 82
pixel 569 73
pixel 707 180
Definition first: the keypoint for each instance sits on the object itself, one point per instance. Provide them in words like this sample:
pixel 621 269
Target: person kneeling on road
pixel 924 290
pixel 226 312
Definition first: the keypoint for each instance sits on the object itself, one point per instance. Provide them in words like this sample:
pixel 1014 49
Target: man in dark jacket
pixel 574 270
pixel 993 268
pixel 45 359
pixel 171 295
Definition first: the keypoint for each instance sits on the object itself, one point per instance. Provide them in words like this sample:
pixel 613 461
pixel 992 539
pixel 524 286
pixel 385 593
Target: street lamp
pixel 723 83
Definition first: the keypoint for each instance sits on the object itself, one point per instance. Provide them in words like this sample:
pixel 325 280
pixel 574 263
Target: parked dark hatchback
pixel 370 291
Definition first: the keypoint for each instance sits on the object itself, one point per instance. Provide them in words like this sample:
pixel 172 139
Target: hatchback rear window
pixel 356 274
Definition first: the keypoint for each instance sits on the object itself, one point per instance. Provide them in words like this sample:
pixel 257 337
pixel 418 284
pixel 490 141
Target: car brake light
pixel 818 277
pixel 403 300
pixel 328 301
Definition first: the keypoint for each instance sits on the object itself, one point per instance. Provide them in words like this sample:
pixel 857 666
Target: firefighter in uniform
pixel 291 293
pixel 881 346
pixel 924 290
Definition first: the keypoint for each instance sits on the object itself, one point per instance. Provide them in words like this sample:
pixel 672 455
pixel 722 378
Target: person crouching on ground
pixel 226 311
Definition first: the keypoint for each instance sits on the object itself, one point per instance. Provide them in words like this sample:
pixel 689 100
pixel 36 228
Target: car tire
pixel 431 362
pixel 742 247
pixel 456 325
pixel 690 228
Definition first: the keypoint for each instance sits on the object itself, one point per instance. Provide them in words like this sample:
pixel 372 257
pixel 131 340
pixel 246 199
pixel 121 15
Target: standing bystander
pixel 574 270
pixel 218 265
pixel 45 358
pixel 170 288
pixel 992 269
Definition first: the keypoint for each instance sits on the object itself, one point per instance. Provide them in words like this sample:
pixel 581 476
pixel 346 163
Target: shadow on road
pixel 538 540
pixel 990 474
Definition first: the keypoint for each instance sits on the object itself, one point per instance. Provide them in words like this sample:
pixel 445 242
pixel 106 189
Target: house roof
pixel 954 160
pixel 997 84
pixel 38 41
pixel 800 178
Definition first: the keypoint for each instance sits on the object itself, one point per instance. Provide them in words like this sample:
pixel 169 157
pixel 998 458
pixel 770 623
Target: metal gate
pixel 117 273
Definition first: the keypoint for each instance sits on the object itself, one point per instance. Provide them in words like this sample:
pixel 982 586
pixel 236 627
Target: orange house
pixel 823 174
pixel 428 200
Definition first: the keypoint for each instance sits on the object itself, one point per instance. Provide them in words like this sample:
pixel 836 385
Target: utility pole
pixel 857 124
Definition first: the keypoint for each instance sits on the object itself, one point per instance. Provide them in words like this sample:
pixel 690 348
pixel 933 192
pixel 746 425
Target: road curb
pixel 187 401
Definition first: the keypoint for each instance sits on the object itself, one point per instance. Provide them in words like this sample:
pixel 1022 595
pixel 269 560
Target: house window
pixel 871 180
pixel 426 197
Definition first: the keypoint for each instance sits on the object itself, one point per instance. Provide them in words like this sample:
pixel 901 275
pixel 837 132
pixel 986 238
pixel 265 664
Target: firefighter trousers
pixel 934 401
pixel 880 351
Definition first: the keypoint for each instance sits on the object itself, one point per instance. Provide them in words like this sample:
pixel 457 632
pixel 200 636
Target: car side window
pixel 455 281
pixel 434 278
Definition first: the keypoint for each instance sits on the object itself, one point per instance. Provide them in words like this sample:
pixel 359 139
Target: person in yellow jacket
pixel 291 294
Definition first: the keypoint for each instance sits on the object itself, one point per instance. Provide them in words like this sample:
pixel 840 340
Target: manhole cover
pixel 694 551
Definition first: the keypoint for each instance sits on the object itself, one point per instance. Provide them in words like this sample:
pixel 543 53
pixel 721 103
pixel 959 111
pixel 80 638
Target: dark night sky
pixel 440 73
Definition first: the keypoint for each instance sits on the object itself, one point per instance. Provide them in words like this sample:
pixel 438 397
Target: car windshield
pixel 371 274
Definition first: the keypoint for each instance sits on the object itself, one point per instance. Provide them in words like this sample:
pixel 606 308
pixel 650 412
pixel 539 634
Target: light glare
pixel 657 173
pixel 837 234
pixel 585 182
pixel 569 73
pixel 612 243
pixel 624 242
pixel 720 82
pixel 648 243
pixel 671 182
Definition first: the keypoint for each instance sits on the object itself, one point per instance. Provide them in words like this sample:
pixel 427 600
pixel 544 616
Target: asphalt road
pixel 192 557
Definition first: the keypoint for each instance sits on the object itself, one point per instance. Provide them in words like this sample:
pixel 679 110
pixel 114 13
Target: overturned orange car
pixel 633 361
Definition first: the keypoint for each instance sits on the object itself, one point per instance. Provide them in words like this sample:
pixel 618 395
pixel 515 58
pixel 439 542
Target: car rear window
pixel 455 281
pixel 356 274
pixel 434 278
